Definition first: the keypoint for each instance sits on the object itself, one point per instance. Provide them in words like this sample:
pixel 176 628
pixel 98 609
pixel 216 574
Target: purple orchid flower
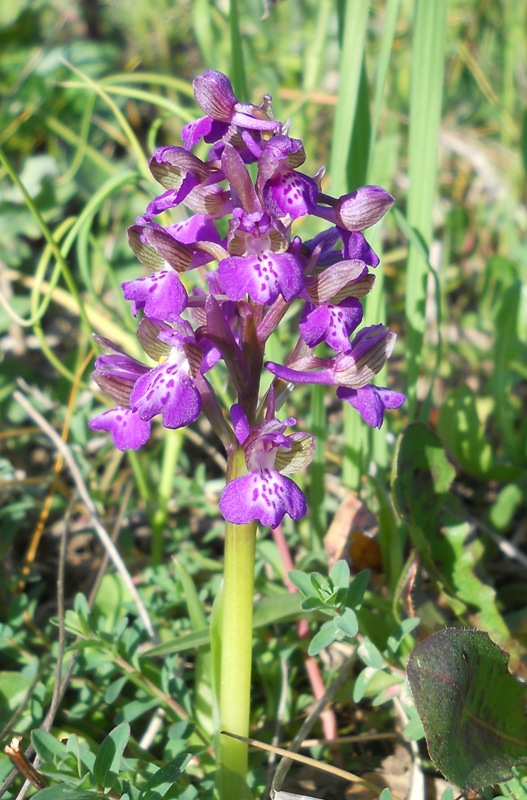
pixel 262 273
pixel 128 430
pixel 282 190
pixel 143 392
pixel 116 374
pixel 352 371
pixel 331 323
pixel 265 494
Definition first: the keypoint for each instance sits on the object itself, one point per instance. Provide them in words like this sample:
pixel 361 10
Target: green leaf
pixel 457 556
pixel 160 783
pixel 370 654
pixel 462 432
pixel 471 707
pixel 347 623
pixel 46 746
pixel 340 575
pixel 108 759
pixel 402 630
pixel 312 604
pixel 319 584
pixel 361 684
pixel 302 581
pixel 14 686
pixel 114 690
pixel 506 505
pixel 66 793
pixel 357 589
pixel 203 669
pixel 423 476
pixel 325 636
pixel 413 730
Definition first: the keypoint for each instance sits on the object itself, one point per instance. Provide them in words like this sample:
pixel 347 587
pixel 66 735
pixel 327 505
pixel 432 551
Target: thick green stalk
pixel 236 649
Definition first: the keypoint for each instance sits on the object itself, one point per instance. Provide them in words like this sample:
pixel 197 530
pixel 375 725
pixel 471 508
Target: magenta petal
pixel 197 228
pixel 160 295
pixel 128 430
pixel 355 247
pixel 204 127
pixel 371 402
pixel 290 192
pixel 169 199
pixel 331 323
pixel 265 496
pixel 262 277
pixel 168 391
pixel 240 422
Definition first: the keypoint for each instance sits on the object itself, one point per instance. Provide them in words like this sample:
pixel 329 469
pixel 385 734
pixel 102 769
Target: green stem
pixel 236 649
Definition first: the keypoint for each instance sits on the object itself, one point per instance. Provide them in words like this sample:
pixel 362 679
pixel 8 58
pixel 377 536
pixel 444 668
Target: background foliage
pixel 89 89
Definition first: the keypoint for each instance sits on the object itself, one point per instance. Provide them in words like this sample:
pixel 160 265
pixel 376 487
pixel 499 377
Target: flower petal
pixel 128 430
pixel 265 496
pixel 331 323
pixel 204 127
pixel 290 192
pixel 371 402
pixel 167 390
pixel 160 295
pixel 355 247
pixel 263 277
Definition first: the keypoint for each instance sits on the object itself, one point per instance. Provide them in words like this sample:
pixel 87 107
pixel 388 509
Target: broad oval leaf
pixel 471 707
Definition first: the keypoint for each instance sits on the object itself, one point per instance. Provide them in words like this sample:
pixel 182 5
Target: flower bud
pixel 362 208
pixel 214 94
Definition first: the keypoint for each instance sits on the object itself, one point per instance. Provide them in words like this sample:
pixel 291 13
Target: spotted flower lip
pixel 167 390
pixel 128 430
pixel 261 273
pixel 160 295
pixel 264 494
pixel 331 323
pixel 283 190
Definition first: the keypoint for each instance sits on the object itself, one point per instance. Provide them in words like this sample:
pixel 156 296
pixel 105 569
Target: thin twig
pixel 289 756
pixel 56 695
pixel 310 720
pixel 49 718
pixel 101 531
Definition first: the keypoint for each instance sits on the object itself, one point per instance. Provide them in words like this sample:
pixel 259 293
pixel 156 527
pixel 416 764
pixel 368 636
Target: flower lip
pixel 128 430
pixel 264 494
